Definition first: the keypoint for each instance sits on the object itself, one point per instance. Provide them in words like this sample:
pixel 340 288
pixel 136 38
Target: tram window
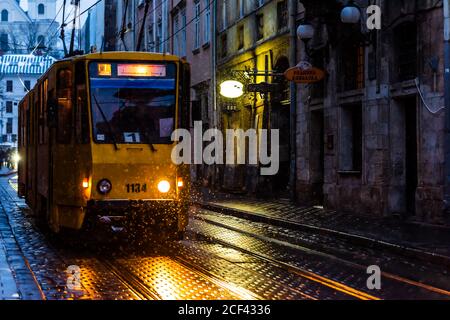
pixel 44 111
pixel 81 112
pixel 41 115
pixel 64 96
pixel 133 109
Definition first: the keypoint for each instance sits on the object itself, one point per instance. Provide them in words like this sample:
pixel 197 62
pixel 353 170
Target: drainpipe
pixel 293 98
pixel 213 39
pixel 447 103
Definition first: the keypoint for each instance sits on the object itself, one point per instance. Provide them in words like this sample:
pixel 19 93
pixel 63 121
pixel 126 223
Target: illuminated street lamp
pixel 305 32
pixel 231 89
pixel 350 14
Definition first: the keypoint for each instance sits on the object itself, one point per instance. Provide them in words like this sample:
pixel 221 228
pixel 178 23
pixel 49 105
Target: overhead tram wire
pixel 57 31
pixel 116 36
pixel 189 22
pixel 48 29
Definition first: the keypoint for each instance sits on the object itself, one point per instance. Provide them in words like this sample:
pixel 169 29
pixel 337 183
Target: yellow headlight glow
pixel 164 186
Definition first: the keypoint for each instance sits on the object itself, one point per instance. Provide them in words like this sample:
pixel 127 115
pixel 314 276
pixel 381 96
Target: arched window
pixel 4 15
pixel 41 9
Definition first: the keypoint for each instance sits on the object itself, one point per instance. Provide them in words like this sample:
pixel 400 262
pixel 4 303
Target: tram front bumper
pixel 155 212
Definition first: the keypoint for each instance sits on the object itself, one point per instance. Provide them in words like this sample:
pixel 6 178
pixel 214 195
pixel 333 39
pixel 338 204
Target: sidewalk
pixel 427 243
pixel 16 279
pixel 8 286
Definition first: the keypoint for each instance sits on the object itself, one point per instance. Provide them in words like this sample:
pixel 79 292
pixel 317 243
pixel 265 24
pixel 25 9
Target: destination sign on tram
pixel 133 70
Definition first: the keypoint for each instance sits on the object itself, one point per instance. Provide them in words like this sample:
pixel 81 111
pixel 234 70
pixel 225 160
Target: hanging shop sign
pixel 262 87
pixel 304 72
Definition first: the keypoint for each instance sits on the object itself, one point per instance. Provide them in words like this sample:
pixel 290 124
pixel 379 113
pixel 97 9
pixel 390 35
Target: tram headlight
pixel 104 186
pixel 163 186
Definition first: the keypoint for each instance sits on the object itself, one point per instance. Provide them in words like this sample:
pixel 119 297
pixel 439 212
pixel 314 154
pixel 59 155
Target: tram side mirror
pixel 52 113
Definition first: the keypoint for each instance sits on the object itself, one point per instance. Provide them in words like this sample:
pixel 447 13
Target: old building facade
pixel 370 138
pixel 18 74
pixel 252 46
pixel 22 32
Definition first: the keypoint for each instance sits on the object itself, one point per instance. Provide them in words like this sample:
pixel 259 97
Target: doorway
pixel 317 156
pixel 411 176
pixel 281 120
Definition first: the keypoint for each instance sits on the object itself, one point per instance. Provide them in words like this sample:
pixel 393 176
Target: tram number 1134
pixel 136 188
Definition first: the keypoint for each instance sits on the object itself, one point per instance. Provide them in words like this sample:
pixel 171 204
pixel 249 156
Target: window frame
pixel 4 15
pixel 41 9
pixel 207 23
pixel 197 25
pixel 9 86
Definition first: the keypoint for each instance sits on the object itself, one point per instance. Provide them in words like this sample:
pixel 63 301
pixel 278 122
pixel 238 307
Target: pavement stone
pixel 431 241
pixel 8 286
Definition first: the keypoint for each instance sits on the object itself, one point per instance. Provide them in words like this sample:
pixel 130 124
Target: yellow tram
pixel 95 141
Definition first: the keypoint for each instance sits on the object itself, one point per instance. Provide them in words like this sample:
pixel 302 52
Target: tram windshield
pixel 133 102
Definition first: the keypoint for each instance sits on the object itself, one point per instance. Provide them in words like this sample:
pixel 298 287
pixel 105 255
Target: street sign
pixel 262 87
pixel 302 74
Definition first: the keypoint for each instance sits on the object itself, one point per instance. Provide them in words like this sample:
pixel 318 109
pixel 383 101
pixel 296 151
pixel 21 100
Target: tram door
pixel 61 148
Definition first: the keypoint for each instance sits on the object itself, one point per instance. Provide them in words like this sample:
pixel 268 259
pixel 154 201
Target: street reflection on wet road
pixel 221 257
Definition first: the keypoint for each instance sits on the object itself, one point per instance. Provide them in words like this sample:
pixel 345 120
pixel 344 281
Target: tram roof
pixel 125 55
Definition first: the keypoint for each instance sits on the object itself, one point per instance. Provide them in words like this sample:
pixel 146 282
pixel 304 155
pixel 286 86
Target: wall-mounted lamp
pixel 231 89
pixel 350 14
pixel 305 32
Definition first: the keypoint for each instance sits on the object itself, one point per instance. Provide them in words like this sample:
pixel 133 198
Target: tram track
pixel 442 293
pixel 134 284
pixel 181 276
pixel 299 272
pixel 101 277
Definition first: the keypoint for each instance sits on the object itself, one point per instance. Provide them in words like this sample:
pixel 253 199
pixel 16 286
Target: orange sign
pixel 302 75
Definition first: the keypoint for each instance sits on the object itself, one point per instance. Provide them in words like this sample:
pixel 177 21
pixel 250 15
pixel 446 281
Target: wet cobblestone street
pixel 221 257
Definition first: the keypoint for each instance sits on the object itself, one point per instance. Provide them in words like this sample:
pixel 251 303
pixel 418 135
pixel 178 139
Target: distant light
pixel 350 14
pixel 231 89
pixel 305 32
pixel 16 157
pixel 85 183
pixel 180 183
